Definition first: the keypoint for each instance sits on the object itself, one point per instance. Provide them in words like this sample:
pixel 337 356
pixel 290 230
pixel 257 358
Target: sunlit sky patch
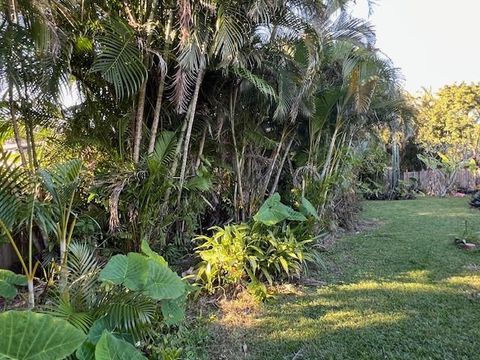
pixel 434 42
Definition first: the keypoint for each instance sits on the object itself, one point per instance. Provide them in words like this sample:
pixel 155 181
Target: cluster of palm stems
pixel 189 113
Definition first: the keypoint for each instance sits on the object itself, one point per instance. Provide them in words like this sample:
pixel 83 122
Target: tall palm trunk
pixel 239 202
pixel 16 130
pixel 143 90
pixel 139 121
pixel 328 160
pixel 156 114
pixel 190 118
pixel 200 149
pixel 161 89
pixel 269 174
pixel 282 164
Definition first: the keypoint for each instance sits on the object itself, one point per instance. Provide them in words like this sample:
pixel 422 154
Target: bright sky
pixel 434 42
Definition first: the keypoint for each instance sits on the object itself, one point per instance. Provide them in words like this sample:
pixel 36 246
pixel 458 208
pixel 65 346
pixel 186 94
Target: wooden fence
pixel 435 182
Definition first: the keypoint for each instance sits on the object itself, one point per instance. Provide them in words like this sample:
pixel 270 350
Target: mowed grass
pixel 401 291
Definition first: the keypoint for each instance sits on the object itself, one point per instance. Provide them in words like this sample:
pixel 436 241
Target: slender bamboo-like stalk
pixel 16 129
pixel 200 149
pixel 269 174
pixel 156 114
pixel 239 203
pixel 28 268
pixel 190 119
pixel 142 92
pixel 282 164
pixel 161 89
pixel 139 121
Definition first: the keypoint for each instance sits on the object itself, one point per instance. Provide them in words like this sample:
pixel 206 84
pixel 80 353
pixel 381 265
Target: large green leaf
pixel 162 282
pixel 273 211
pixel 26 335
pixel 87 350
pixel 173 311
pixel 8 280
pixel 308 209
pixel 111 348
pixel 152 254
pixel 130 271
pixel 7 290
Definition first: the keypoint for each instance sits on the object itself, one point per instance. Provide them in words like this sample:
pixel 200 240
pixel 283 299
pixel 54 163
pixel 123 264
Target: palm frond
pixel 62 180
pixel 129 312
pixel 164 151
pixel 260 84
pixel 229 37
pixel 119 60
pixel 13 183
pixel 64 309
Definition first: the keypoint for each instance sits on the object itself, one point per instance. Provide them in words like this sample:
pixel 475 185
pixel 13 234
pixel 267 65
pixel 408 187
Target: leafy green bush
pixel 129 299
pixel 268 248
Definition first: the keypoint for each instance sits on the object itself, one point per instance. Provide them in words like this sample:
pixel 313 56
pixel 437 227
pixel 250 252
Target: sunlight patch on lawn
pixel 353 319
pixel 466 280
pixel 390 286
pixel 417 275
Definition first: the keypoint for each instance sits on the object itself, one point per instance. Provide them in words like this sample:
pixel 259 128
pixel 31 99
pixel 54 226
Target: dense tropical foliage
pixel 140 125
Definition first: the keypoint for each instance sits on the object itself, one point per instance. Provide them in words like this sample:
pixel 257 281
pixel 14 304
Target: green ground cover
pixel 400 291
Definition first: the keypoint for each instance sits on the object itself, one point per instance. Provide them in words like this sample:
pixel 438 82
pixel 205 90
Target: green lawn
pixel 402 291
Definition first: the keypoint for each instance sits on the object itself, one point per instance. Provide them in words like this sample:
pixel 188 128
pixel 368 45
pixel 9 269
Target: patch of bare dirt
pixel 234 319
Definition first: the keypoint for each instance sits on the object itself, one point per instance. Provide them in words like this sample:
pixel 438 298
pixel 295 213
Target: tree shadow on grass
pixel 363 320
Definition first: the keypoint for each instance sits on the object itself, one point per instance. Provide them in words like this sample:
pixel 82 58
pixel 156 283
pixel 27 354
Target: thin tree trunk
pixel 331 148
pixel 269 174
pixel 238 210
pixel 139 121
pixel 190 119
pixel 156 114
pixel 28 142
pixel 161 89
pixel 34 149
pixel 142 92
pixel 31 293
pixel 16 130
pixel 200 150
pixel 282 164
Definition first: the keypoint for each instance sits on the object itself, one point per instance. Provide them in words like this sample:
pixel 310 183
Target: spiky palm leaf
pixel 13 184
pixel 260 84
pixel 128 312
pixel 83 274
pixel 230 33
pixel 119 60
pixel 64 309
pixel 164 151
pixel 62 180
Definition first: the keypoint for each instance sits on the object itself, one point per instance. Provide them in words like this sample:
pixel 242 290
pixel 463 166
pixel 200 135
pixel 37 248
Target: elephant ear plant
pixel 108 327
